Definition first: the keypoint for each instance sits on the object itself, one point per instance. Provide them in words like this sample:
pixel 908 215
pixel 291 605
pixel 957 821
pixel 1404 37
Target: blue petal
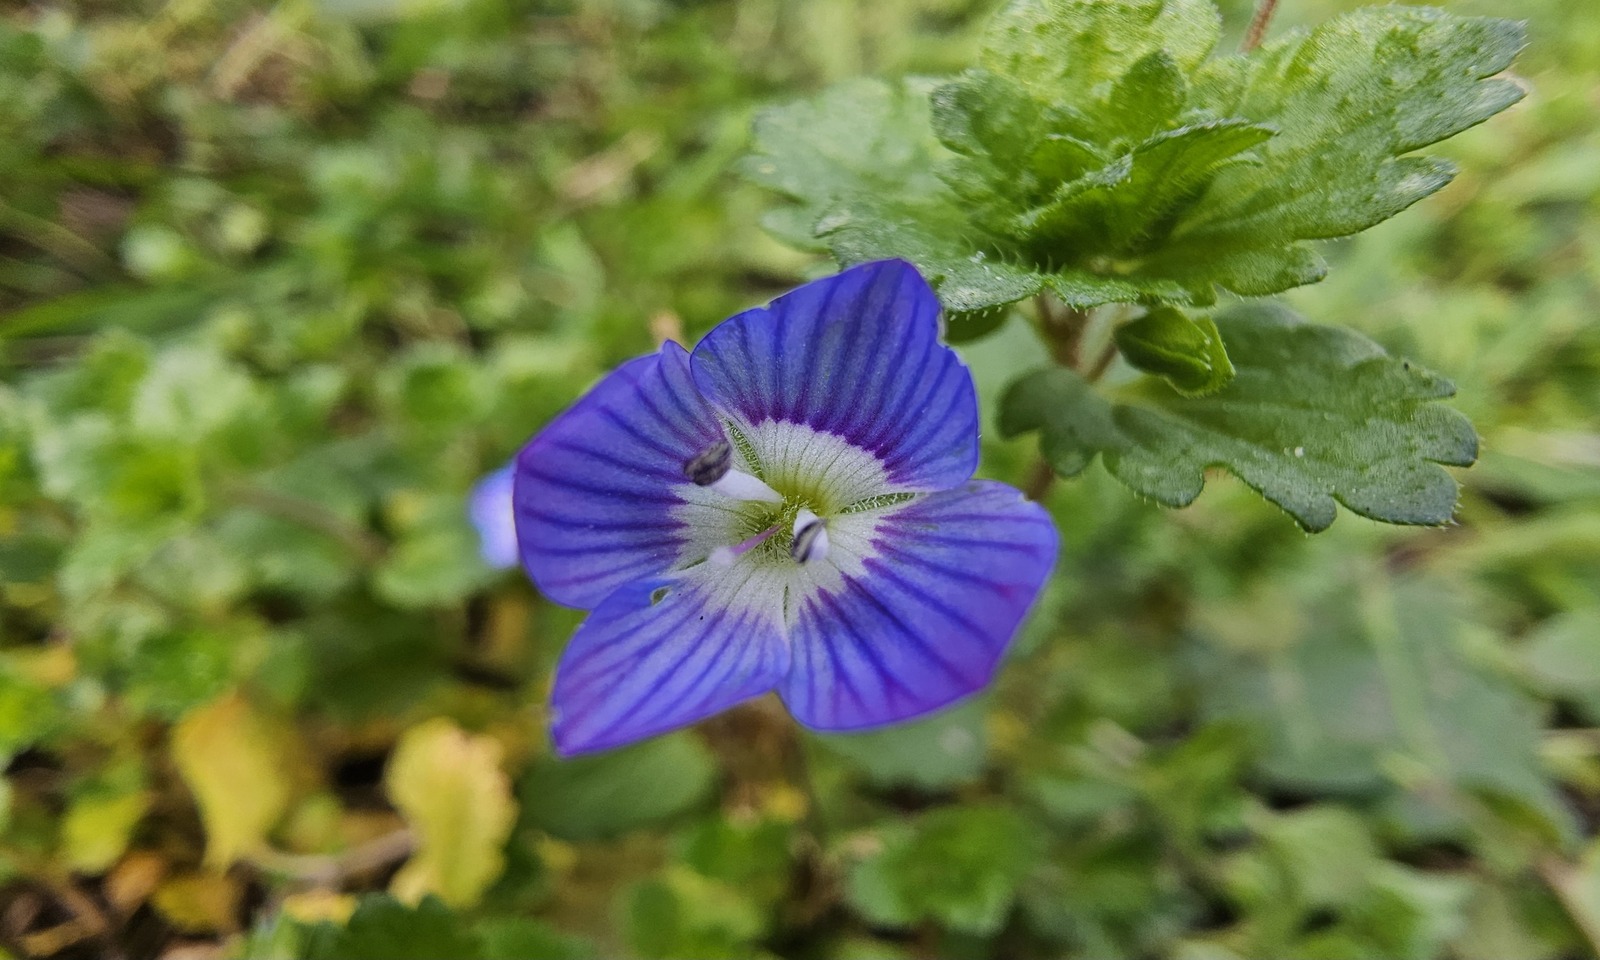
pixel 490 510
pixel 595 490
pixel 856 355
pixel 661 653
pixel 928 613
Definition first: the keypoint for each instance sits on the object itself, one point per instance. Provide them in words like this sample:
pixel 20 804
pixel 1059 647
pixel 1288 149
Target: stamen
pixel 742 486
pixel 710 464
pixel 723 556
pixel 713 467
pixel 810 537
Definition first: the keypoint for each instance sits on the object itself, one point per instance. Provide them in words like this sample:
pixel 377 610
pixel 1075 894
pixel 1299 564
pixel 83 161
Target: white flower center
pixel 780 495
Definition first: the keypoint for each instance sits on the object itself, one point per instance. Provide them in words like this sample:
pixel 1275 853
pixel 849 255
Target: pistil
pixel 724 556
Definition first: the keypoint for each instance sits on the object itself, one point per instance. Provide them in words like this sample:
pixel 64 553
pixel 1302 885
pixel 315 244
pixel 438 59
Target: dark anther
pixel 710 465
pixel 805 541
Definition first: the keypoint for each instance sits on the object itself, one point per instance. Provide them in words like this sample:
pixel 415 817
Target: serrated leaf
pixel 1071 47
pixel 1097 152
pixel 1350 99
pixel 1153 185
pixel 1186 351
pixel 1145 100
pixel 871 197
pixel 857 140
pixel 449 786
pixel 234 759
pixel 1315 415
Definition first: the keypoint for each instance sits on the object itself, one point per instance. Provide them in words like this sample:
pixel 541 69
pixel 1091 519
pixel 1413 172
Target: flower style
pixel 789 507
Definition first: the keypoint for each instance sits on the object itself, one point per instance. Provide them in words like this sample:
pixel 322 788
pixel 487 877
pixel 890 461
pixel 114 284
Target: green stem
pixel 1062 327
pixel 310 514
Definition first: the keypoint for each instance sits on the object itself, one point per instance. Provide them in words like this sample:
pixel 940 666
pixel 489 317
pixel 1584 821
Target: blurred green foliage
pixel 279 282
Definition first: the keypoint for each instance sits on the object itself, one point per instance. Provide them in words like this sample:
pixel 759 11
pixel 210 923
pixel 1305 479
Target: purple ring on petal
pixel 790 508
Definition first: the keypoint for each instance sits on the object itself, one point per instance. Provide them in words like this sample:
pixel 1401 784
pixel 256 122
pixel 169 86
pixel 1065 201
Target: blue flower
pixel 790 507
pixel 489 507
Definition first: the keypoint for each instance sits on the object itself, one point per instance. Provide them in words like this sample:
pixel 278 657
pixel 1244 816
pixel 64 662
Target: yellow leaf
pixel 97 829
pixel 199 902
pixel 132 881
pixel 235 761
pixel 314 906
pixel 449 786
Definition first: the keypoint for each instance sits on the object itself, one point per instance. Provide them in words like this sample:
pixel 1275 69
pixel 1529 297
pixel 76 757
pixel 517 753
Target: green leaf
pixel 175 671
pixel 28 711
pixel 523 938
pixel 1069 48
pixel 1145 100
pixel 1315 415
pixel 860 161
pixel 854 142
pixel 752 855
pixel 1349 100
pixel 1186 351
pixel 385 929
pixel 1138 200
pixel 437 560
pixel 97 828
pixel 960 866
pixel 591 797
pixel 680 914
pixel 1429 716
pixel 938 751
pixel 1327 851
pixel 1563 658
pixel 1096 150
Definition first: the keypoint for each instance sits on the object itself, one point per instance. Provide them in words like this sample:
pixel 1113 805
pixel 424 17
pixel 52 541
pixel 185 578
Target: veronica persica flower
pixel 788 507
pixel 489 508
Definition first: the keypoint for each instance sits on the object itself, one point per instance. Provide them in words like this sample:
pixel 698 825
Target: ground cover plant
pixel 1290 327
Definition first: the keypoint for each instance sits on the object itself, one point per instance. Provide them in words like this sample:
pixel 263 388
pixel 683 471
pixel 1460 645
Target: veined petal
pixel 857 356
pixel 600 492
pixel 922 609
pixel 664 652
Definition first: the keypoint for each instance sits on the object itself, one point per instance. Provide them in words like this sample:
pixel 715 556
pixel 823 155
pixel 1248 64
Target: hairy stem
pixel 1102 363
pixel 1062 328
pixel 1258 25
pixel 332 870
pixel 1040 479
